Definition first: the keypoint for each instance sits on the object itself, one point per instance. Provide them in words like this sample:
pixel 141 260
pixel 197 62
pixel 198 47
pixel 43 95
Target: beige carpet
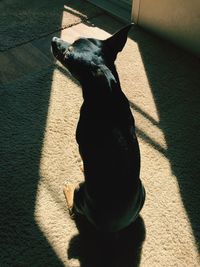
pixel 39 110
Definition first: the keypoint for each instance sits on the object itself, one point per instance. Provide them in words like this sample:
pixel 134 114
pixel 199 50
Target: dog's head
pixel 90 59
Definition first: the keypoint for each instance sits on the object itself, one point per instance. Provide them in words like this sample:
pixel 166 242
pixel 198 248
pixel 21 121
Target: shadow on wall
pixel 97 249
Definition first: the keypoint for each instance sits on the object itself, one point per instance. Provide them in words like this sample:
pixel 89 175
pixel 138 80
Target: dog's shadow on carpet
pixel 97 249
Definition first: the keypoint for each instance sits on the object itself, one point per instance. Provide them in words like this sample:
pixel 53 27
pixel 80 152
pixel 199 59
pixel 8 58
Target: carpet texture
pixel 38 153
pixel 22 21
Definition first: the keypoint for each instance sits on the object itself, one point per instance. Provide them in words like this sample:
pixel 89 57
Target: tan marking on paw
pixel 69 195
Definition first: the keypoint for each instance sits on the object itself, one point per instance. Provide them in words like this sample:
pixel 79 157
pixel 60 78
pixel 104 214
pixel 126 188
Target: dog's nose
pixel 55 41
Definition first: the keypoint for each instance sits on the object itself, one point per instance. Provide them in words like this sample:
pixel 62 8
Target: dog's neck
pixel 108 108
pixel 99 95
pixel 97 92
pixel 101 100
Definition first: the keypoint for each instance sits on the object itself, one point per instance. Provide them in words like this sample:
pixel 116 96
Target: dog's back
pixel 111 157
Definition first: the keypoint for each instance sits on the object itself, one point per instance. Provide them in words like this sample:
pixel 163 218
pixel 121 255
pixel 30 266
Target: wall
pixel 176 20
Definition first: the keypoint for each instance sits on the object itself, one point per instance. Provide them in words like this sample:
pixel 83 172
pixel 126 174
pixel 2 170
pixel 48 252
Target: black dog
pixel 112 195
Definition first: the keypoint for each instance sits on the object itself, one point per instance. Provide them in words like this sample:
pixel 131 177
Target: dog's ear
pixel 117 41
pixel 103 74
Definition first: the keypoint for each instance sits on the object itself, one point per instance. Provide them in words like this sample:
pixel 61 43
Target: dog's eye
pixel 70 48
pixel 68 51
